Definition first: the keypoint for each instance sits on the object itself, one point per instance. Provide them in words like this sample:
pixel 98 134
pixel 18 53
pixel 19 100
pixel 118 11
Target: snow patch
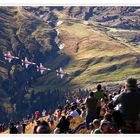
pixel 61 46
pixel 59 22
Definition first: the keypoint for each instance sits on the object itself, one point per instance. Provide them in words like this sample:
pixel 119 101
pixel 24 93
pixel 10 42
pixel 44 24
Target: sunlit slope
pixel 96 56
pixel 73 124
pixel 90 54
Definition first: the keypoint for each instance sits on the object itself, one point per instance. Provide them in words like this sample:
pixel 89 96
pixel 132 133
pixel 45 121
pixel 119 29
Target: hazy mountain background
pixel 101 44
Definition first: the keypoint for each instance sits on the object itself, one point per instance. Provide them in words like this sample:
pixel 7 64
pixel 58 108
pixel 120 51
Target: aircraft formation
pixel 59 72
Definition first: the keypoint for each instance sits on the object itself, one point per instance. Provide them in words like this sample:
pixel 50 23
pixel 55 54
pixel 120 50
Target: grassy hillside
pixel 96 56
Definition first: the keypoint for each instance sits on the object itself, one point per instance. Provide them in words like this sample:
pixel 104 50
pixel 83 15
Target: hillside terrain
pixel 73 125
pixel 101 44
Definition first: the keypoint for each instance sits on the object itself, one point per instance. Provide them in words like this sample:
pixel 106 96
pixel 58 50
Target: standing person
pixel 32 118
pixel 83 111
pixel 58 114
pixel 28 117
pixel 130 107
pixel 24 127
pixel 0 127
pixel 43 113
pixel 19 128
pixel 37 115
pixel 67 107
pixel 12 129
pixel 60 108
pixel 99 95
pixel 78 101
pixel 51 119
pixel 91 105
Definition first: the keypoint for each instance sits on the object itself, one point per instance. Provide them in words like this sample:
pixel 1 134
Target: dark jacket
pixel 13 130
pixel 63 125
pixel 130 104
pixel 91 104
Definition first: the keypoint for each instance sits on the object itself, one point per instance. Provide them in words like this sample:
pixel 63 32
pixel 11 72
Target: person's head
pixel 81 101
pixel 43 129
pixel 83 108
pixel 99 87
pixel 18 123
pixel 106 100
pixel 91 94
pixel 110 105
pixel 109 97
pixel 115 93
pixel 104 126
pixel 96 123
pixel 11 124
pixel 67 102
pixel 60 107
pixel 107 116
pixel 91 126
pixel 73 108
pixel 74 104
pixel 69 117
pixel 131 84
pixel 63 117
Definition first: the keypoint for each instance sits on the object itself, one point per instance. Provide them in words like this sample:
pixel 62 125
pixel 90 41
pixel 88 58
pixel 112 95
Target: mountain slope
pixel 101 44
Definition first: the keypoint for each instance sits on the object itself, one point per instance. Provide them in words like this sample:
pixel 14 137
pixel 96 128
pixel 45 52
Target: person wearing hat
pixel 130 107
